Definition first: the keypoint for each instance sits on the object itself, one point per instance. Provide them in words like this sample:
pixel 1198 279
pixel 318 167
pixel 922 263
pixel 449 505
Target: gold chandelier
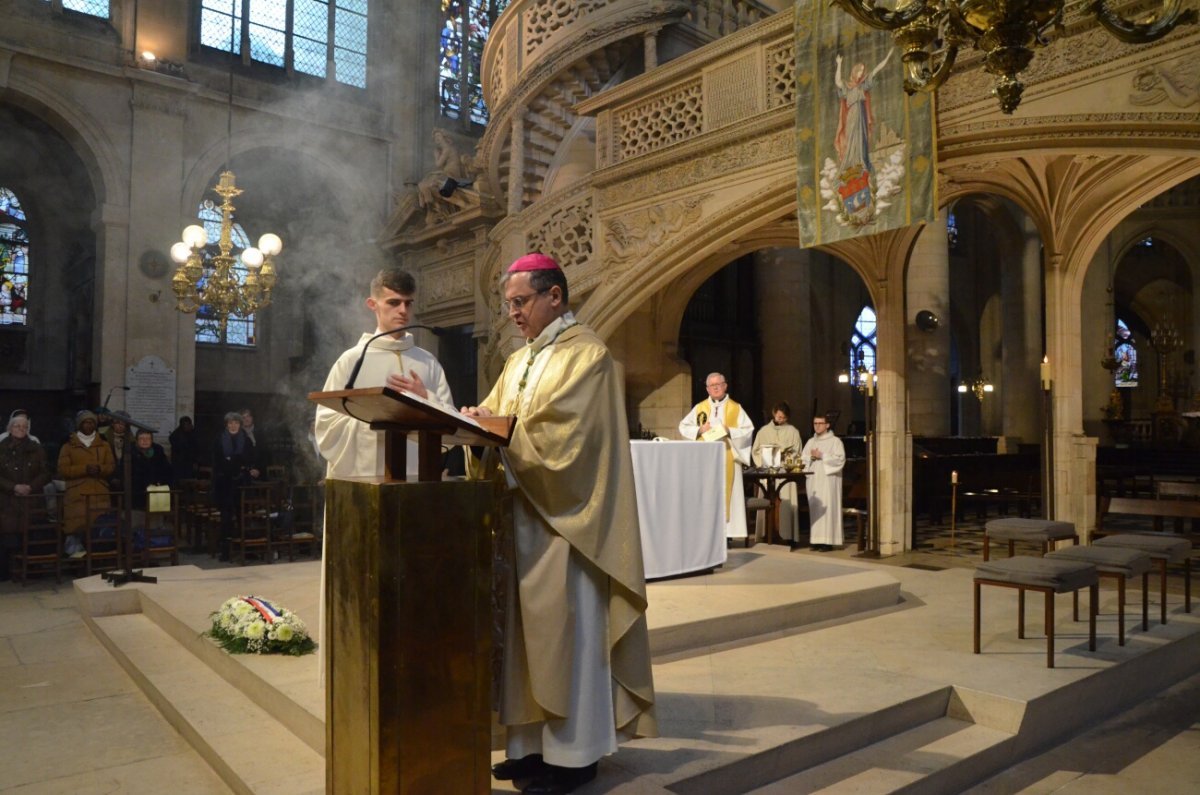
pixel 980 386
pixel 930 33
pixel 222 290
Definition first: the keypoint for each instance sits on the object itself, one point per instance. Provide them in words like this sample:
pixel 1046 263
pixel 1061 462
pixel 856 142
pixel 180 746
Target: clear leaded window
pixel 465 28
pixel 14 261
pixel 93 8
pixel 862 341
pixel 239 330
pixel 322 38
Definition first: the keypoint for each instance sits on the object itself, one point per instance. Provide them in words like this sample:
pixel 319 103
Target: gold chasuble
pixel 570 461
pixel 731 413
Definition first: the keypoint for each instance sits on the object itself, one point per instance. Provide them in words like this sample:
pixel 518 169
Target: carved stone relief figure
pixel 449 163
pixel 1177 83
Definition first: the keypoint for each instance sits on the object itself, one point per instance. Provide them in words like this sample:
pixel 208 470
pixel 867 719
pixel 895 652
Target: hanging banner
pixel 865 149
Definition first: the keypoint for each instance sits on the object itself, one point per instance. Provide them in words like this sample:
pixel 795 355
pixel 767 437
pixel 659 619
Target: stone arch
pixel 106 169
pixel 695 253
pixel 202 175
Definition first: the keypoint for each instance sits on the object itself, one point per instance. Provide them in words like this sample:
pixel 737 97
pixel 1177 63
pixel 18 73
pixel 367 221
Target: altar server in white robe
pixel 722 418
pixel 824 457
pixel 776 441
pixel 349 447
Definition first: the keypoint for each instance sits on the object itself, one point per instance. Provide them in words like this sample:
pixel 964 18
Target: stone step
pixel 250 750
pixel 934 757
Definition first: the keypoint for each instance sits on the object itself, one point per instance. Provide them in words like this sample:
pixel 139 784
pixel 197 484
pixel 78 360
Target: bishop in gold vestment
pixel 576 663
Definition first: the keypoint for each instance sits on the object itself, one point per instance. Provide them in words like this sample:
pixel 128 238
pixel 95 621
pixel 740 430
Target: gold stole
pixel 732 411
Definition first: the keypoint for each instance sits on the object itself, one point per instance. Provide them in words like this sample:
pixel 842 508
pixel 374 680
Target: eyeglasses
pixel 520 302
pixel 714 383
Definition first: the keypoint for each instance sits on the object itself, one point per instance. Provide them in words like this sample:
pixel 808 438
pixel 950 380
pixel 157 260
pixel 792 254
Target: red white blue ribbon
pixel 268 611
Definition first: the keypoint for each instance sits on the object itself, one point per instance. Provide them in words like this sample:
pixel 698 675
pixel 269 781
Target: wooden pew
pixel 1154 509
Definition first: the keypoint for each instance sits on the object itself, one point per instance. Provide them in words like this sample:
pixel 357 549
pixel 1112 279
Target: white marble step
pixel 934 757
pixel 251 751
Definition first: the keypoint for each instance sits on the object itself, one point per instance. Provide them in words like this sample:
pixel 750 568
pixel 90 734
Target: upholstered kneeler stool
pixel 1121 565
pixel 1047 576
pixel 1044 532
pixel 1163 548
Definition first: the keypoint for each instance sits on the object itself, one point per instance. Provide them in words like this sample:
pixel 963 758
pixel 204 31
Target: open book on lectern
pixel 386 409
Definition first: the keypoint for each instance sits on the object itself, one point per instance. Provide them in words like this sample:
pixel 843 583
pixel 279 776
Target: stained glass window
pixel 465 28
pixel 862 341
pixel 239 330
pixel 321 34
pixel 93 8
pixel 1125 352
pixel 14 261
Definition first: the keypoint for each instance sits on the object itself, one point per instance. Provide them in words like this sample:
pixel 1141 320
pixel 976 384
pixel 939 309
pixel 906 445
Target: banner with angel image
pixel 865 149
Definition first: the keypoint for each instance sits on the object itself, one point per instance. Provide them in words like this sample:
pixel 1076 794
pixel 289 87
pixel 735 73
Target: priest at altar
pixel 721 418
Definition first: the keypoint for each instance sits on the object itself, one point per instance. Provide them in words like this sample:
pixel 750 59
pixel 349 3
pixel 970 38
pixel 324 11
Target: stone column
pixel 650 49
pixel 1074 454
pixel 893 442
pixel 1021 301
pixel 109 352
pixel 783 282
pixel 153 325
pixel 928 287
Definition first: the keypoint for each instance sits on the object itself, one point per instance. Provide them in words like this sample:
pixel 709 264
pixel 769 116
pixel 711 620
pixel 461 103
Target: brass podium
pixel 408 608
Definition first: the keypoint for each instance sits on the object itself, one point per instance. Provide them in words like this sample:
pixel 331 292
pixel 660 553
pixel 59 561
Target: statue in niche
pixel 449 187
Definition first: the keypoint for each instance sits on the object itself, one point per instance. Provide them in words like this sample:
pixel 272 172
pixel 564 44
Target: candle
pixel 1046 373
pixel 954 476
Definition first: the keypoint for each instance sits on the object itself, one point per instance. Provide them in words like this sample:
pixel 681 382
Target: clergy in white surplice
pixel 824 457
pixel 773 444
pixel 721 418
pixel 351 448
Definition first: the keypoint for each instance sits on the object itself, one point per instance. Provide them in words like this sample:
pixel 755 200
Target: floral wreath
pixel 253 625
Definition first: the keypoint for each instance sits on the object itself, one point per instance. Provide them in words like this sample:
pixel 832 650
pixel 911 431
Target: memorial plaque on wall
pixel 151 395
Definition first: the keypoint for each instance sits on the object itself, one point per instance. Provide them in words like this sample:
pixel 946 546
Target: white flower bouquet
pixel 253 625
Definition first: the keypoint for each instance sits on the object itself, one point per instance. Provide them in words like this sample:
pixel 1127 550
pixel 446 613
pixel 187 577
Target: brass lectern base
pixel 408 612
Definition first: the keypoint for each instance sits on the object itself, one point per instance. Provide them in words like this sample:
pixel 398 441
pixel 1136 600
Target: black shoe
pixel 560 780
pixel 528 767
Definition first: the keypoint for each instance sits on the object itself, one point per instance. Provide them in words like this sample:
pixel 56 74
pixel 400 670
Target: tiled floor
pixel 72 722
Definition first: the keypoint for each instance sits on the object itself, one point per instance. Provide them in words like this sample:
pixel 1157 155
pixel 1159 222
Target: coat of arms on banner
pixel 864 148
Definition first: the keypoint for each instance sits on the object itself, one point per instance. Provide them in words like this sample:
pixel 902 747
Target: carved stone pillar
pixel 1074 455
pixel 928 288
pixel 516 164
pixel 893 448
pixel 650 49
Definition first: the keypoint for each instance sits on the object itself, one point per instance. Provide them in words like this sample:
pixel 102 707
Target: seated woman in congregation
pixel 23 473
pixel 86 463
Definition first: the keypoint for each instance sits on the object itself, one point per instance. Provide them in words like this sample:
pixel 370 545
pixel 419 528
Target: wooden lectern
pixel 408 610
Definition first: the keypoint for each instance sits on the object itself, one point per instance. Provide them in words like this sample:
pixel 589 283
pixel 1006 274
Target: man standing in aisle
pixel 721 418
pixel 823 458
pixel 576 661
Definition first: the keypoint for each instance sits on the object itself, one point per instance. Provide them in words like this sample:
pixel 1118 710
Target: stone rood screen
pixel 865 150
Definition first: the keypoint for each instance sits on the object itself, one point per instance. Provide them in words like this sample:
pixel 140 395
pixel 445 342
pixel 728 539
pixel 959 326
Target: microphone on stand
pixel 437 330
pixel 108 397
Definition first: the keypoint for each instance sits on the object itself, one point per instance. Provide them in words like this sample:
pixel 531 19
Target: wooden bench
pixel 1154 509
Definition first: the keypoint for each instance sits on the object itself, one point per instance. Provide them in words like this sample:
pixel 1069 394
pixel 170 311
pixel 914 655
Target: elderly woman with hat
pixel 23 473
pixel 86 463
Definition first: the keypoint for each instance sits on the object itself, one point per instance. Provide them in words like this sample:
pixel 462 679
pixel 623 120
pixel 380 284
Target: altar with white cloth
pixel 681 505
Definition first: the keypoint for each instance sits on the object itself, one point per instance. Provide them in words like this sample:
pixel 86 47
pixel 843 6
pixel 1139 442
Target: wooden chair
pixel 39 541
pixel 303 523
pixel 104 531
pixel 254 527
pixel 201 518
